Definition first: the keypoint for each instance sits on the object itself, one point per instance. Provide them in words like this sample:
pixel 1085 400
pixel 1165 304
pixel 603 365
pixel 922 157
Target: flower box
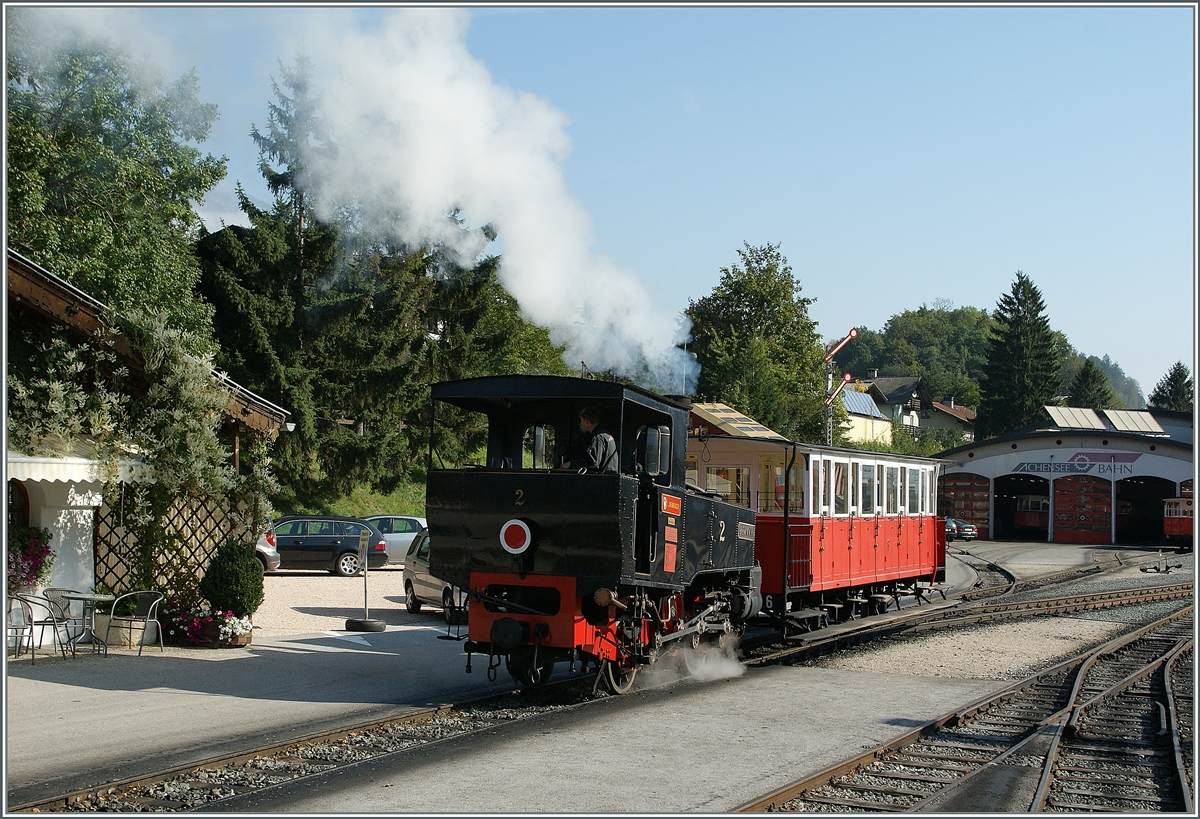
pixel 210 635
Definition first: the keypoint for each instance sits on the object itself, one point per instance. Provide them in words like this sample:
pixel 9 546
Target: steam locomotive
pixel 615 569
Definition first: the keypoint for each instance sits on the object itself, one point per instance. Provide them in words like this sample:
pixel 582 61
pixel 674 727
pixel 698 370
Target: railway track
pixel 1088 724
pixel 191 786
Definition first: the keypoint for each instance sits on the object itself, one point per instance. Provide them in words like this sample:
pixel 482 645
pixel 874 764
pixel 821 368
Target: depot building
pixel 1081 476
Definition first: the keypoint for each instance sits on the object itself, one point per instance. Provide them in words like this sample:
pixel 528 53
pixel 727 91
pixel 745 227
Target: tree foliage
pixel 103 175
pixel 1174 391
pixel 757 347
pixel 1091 389
pixel 347 329
pixel 1021 373
pixel 944 345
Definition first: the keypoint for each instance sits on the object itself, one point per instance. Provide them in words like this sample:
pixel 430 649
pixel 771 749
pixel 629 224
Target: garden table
pixel 89 600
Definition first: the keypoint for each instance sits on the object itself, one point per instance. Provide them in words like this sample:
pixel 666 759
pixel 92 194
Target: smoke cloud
pixel 422 130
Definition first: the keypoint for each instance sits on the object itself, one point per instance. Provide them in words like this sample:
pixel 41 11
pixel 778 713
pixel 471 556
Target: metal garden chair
pixel 43 616
pixel 145 609
pixel 76 625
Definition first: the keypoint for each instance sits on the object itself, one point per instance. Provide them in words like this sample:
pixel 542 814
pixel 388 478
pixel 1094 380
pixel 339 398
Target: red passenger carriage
pixel 862 526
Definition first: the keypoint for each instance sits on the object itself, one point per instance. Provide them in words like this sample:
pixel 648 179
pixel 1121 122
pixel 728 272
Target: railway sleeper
pixel 893 789
pixel 922 753
pixel 951 776
pixel 1116 797
pixel 1096 807
pixel 876 807
pixel 1107 778
pixel 936 766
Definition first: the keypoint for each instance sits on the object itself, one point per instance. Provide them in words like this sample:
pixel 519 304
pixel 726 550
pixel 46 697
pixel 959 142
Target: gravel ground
pixel 1003 651
pixel 308 602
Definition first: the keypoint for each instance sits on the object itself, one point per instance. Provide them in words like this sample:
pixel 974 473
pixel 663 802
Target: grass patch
pixel 408 499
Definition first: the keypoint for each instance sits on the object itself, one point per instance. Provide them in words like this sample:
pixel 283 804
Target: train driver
pixel 601 449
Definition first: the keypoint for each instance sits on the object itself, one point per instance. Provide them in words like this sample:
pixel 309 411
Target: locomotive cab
pixel 562 561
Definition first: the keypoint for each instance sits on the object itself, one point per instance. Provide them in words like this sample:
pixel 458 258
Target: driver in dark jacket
pixel 601 453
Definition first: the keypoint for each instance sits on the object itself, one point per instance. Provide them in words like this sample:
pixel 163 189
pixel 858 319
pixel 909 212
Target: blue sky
pixel 898 155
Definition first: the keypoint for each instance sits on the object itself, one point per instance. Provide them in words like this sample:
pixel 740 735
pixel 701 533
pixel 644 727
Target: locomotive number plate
pixel 745 531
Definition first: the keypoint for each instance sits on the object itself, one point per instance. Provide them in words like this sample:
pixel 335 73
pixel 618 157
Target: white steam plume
pixel 422 129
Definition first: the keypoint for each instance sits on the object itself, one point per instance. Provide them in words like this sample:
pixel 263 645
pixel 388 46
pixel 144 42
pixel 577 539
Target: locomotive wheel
pixel 520 667
pixel 619 682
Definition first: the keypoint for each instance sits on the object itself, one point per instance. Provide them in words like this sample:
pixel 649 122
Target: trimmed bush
pixel 233 580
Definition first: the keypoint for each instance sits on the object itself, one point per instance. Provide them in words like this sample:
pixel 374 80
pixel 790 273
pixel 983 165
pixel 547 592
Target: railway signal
pixel 830 352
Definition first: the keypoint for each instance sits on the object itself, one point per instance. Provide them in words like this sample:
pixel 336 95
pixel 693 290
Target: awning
pixel 76 470
pixel 81 466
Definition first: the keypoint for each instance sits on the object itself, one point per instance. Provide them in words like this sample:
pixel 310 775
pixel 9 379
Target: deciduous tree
pixel 103 175
pixel 757 347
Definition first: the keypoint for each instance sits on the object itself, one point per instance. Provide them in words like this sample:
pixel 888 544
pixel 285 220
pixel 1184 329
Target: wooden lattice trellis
pixel 198 527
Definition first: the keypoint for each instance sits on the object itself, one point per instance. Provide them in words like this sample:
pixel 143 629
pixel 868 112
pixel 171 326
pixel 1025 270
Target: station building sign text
pixel 1081 463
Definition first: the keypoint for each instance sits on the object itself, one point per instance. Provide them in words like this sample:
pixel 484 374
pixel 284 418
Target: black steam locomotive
pixel 610 569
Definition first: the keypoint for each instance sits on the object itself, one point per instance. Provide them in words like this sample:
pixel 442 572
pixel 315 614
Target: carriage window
pixel 878 489
pixel 914 495
pixel 924 491
pixel 868 490
pixel 771 484
pixel 693 470
pixel 826 480
pixel 731 483
pixel 854 486
pixel 816 485
pixel 840 493
pixel 893 490
pixel 537 447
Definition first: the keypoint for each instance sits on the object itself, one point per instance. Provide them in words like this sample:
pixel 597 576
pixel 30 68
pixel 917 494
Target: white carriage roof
pixel 731 422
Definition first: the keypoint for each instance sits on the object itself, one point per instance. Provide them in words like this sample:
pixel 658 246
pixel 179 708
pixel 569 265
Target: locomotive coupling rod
pixel 696 625
pixel 605 597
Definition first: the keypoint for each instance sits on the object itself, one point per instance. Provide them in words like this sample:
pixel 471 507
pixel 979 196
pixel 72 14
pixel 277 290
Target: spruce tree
pixel 1021 373
pixel 1174 391
pixel 1091 388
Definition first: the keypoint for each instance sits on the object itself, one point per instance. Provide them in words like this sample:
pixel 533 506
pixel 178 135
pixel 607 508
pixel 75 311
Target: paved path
pixel 78 723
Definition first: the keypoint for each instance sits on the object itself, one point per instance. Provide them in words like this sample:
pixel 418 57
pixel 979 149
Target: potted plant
pixel 29 558
pixel 233 586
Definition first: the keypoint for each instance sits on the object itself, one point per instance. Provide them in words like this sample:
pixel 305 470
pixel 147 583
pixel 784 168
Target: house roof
pixel 859 403
pixel 37 289
pixel 964 414
pixel 898 390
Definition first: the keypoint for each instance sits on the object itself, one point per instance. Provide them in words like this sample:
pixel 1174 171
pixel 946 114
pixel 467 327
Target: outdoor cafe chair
pixel 19 625
pixel 43 616
pixel 145 610
pixel 76 624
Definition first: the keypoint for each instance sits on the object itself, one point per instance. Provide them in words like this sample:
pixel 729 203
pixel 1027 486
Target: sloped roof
pixel 728 421
pixel 859 403
pixel 37 289
pixel 898 390
pixel 964 414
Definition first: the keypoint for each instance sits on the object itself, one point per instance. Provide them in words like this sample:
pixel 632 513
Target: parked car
pixel 399 531
pixel 962 530
pixel 266 552
pixel 324 542
pixel 421 587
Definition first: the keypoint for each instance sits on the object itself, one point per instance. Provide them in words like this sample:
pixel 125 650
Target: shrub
pixel 234 580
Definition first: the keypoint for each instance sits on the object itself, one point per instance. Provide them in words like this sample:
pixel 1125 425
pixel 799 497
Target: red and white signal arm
pixel 515 536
